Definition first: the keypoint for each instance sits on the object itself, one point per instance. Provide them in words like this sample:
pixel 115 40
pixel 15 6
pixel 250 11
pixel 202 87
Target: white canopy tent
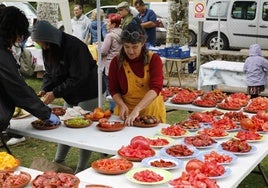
pixel 65 14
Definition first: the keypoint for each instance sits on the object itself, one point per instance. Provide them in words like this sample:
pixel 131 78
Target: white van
pixel 241 24
pixel 161 8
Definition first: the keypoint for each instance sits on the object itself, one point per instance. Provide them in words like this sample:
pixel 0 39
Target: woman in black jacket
pixel 14 91
pixel 70 73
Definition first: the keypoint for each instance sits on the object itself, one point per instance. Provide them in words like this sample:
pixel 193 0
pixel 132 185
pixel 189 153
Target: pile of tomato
pixel 193 179
pixel 189 124
pixel 257 104
pixel 179 150
pixel 235 145
pixel 199 140
pixel 138 148
pixel 248 135
pixel 216 157
pixel 148 176
pixel 224 123
pixel 112 164
pixel 213 132
pixel 185 97
pixel 202 117
pixel 158 141
pixel 216 95
pixel 162 163
pixel 235 116
pixel 204 102
pixel 54 179
pixel 12 179
pixel 173 130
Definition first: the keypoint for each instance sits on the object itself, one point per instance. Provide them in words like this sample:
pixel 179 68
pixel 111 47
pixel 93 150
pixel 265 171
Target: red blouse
pixel 118 79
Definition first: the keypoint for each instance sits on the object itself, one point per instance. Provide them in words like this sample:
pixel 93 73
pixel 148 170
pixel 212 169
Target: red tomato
pixel 247 124
pixel 263 114
pixel 265 126
pixel 140 141
pixel 194 164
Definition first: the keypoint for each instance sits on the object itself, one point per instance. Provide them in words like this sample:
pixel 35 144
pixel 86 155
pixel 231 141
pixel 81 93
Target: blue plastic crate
pixel 161 52
pixel 172 52
pixel 184 53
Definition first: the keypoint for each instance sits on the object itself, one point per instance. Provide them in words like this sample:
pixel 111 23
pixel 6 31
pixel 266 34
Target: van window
pixel 265 11
pixel 218 7
pixel 244 10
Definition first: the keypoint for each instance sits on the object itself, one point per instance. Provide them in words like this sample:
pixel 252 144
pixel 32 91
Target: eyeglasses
pixel 135 35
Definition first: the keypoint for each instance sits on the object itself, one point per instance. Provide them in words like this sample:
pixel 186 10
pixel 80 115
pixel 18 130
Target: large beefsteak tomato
pixel 247 124
pixel 140 141
pixel 194 164
pixel 263 114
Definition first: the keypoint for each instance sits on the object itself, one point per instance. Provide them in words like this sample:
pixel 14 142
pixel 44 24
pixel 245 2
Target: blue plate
pixel 253 150
pixel 234 157
pixel 227 173
pixel 147 162
pixel 195 152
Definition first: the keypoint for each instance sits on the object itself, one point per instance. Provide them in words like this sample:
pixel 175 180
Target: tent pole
pixel 99 55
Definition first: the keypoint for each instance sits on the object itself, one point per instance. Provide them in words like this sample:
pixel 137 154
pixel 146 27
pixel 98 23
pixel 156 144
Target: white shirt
pixel 79 26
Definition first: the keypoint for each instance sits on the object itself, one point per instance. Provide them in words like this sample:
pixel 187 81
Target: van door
pixel 243 23
pixel 263 26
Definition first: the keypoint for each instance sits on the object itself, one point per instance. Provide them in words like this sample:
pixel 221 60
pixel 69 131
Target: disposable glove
pixel 53 119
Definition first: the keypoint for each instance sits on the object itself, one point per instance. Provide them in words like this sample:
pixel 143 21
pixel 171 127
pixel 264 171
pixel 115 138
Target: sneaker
pixel 14 141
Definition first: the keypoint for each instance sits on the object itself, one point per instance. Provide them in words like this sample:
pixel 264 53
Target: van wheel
pixel 212 42
pixel 192 38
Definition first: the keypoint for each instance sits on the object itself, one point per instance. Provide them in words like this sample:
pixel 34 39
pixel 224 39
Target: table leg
pixel 178 66
pixel 167 73
pixel 4 143
pixel 260 166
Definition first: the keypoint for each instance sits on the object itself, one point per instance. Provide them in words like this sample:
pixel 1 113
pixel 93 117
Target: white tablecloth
pixel 222 72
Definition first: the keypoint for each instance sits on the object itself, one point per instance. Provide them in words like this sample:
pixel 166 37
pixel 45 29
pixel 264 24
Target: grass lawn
pixel 32 148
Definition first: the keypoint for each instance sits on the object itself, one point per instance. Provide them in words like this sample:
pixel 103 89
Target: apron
pixel 137 88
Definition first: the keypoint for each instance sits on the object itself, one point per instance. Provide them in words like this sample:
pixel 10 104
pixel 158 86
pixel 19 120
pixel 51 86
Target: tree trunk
pixel 177 31
pixel 48 12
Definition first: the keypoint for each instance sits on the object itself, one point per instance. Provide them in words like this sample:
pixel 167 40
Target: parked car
pixel 27 8
pixel 240 24
pixel 160 29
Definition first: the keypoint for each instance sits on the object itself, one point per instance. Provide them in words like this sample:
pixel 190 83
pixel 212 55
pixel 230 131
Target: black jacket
pixel 15 92
pixel 75 78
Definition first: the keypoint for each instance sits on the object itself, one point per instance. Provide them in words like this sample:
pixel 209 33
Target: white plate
pixel 201 156
pixel 170 140
pixel 196 152
pixel 147 162
pixel 165 174
pixel 253 150
pixel 227 173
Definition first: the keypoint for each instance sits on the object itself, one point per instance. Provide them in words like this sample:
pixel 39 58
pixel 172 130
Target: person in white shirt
pixel 79 22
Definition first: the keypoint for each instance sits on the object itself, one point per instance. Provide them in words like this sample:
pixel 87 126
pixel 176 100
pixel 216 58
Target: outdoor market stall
pixel 110 142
